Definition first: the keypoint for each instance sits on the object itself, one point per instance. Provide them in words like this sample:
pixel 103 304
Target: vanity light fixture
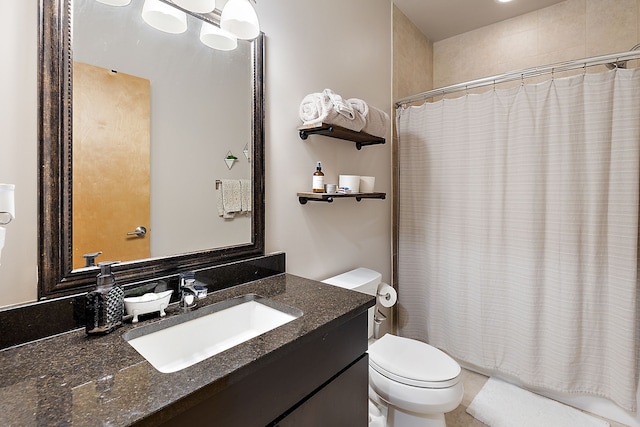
pixel 503 1
pixel 217 38
pixel 115 2
pixel 198 6
pixel 239 17
pixel 164 17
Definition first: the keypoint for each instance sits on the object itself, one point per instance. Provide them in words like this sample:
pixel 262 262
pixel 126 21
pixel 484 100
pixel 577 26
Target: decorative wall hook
pixel 245 150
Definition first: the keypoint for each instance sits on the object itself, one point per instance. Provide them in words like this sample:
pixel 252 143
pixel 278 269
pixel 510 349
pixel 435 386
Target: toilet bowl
pixel 411 383
pixel 418 382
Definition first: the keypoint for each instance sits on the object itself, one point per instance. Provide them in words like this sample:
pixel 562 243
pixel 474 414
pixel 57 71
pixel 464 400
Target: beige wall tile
pixel 564 11
pixel 412 58
pixel 611 24
pixel 518 46
pixel 572 29
pixel 558 33
pixel 518 24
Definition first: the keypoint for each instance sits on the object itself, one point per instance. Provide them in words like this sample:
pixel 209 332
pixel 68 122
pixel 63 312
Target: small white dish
pixel 147 303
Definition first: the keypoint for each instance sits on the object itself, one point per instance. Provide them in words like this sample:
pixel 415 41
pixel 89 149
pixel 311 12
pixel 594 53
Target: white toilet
pixel 410 382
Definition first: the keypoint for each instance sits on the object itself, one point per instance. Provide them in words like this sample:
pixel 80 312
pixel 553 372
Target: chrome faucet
pixel 190 293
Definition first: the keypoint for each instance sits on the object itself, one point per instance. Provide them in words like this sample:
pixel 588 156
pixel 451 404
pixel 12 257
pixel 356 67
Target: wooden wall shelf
pixel 303 198
pixel 360 138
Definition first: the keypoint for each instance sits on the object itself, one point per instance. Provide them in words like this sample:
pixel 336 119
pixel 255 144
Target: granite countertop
pixel 80 380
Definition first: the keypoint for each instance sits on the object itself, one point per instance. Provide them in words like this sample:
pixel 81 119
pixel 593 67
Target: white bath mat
pixel 500 404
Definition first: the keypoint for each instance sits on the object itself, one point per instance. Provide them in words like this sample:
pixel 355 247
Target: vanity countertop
pixel 75 379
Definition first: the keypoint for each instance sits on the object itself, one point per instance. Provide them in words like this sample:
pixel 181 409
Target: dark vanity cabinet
pixel 337 403
pixel 321 379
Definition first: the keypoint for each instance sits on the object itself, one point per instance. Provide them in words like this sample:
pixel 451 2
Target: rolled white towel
pixel 376 121
pixel 359 105
pixel 329 107
pixel 340 105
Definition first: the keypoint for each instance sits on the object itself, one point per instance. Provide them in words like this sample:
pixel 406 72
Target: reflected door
pixel 111 164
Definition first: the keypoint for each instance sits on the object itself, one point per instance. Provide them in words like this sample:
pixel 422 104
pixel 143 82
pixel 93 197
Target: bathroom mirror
pixel 57 274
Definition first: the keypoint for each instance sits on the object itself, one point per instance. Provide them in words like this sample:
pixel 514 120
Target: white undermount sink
pixel 181 341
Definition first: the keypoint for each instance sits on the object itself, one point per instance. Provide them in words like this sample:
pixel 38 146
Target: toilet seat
pixel 413 363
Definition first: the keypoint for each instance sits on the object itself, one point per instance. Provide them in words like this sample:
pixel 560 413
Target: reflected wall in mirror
pixel 127 100
pixel 198 105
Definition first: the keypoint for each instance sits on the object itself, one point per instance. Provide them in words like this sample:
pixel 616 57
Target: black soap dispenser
pixel 104 307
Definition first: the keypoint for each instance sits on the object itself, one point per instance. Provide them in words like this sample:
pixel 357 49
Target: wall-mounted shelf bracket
pixel 303 198
pixel 360 138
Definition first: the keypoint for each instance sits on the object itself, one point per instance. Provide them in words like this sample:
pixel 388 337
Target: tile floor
pixel 472 384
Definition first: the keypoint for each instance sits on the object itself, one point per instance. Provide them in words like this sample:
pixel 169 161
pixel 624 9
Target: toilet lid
pixel 412 362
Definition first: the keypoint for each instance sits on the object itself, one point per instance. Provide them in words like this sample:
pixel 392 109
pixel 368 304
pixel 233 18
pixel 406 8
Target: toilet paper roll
pixel 352 182
pixel 387 296
pixel 7 204
pixel 367 183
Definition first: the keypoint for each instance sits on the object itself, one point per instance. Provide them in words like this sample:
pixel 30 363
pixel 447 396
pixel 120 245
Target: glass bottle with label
pixel 318 179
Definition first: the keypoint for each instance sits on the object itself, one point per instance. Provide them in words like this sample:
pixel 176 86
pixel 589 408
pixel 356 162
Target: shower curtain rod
pixel 522 74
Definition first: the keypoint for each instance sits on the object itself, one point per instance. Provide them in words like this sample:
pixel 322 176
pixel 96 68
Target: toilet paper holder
pixel 387 295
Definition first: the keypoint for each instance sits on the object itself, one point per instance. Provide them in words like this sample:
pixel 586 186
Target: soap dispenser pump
pixel 104 307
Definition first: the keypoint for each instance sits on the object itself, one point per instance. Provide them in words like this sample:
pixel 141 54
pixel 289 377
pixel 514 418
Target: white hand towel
pixel 376 121
pixel 328 107
pixel 247 195
pixel 229 198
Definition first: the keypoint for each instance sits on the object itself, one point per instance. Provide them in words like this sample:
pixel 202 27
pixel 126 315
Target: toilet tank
pixel 361 280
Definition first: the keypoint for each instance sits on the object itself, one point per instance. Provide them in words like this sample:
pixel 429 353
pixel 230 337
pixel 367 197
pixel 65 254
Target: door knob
pixel 140 231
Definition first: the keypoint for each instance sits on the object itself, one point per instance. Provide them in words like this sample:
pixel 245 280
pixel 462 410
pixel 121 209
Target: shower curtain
pixel 518 231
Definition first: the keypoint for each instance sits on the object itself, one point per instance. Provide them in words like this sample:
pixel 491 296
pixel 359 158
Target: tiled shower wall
pixel 572 29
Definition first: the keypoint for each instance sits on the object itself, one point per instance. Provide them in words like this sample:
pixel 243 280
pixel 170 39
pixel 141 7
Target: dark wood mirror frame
pixel 56 277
